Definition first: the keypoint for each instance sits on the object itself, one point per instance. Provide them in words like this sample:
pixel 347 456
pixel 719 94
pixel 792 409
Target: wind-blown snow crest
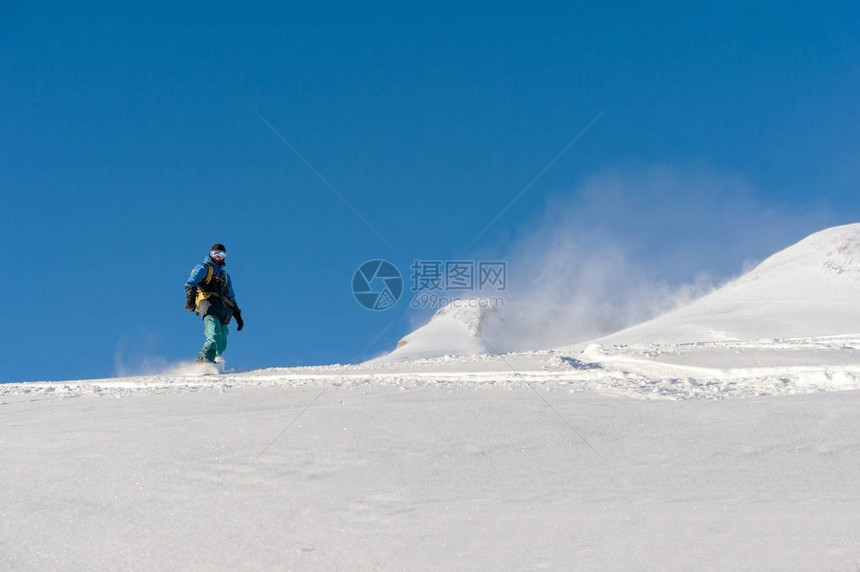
pixel 809 289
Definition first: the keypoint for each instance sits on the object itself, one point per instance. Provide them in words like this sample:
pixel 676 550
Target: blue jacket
pixel 213 305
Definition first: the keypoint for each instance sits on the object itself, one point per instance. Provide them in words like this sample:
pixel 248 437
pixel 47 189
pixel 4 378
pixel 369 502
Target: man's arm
pixel 198 273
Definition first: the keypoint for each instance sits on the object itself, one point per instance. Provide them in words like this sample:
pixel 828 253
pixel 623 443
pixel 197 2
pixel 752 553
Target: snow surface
pixel 426 476
pixel 722 436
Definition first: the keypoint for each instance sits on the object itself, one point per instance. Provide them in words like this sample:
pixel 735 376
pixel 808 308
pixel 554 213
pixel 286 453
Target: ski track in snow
pixel 699 370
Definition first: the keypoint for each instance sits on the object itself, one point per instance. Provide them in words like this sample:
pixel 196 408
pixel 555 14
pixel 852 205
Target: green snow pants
pixel 216 338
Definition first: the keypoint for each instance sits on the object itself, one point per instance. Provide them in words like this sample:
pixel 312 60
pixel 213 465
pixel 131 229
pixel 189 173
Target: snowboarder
pixel 209 292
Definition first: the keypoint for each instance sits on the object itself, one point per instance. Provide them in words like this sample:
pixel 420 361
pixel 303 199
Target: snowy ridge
pixel 809 289
pixel 700 370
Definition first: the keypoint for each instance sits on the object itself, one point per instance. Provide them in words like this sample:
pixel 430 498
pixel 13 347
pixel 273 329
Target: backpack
pixel 204 294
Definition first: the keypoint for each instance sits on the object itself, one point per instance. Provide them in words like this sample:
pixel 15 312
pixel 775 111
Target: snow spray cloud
pixel 134 355
pixel 626 247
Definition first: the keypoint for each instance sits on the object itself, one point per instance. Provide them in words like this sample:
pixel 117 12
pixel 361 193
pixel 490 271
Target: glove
pixel 237 313
pixel 191 299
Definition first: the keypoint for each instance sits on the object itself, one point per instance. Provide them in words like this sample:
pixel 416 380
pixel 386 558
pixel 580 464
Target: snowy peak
pixel 454 330
pixel 822 269
pixel 809 289
pixel 833 251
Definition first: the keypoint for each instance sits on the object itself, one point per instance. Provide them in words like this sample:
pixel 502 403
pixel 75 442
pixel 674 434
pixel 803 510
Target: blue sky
pixel 131 139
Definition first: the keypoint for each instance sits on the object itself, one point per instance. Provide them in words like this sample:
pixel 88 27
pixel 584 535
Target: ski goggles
pixel 218 255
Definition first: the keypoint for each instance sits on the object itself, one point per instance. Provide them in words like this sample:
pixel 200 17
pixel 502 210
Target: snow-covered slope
pixel 810 289
pixel 793 321
pixel 425 479
pixel 525 461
